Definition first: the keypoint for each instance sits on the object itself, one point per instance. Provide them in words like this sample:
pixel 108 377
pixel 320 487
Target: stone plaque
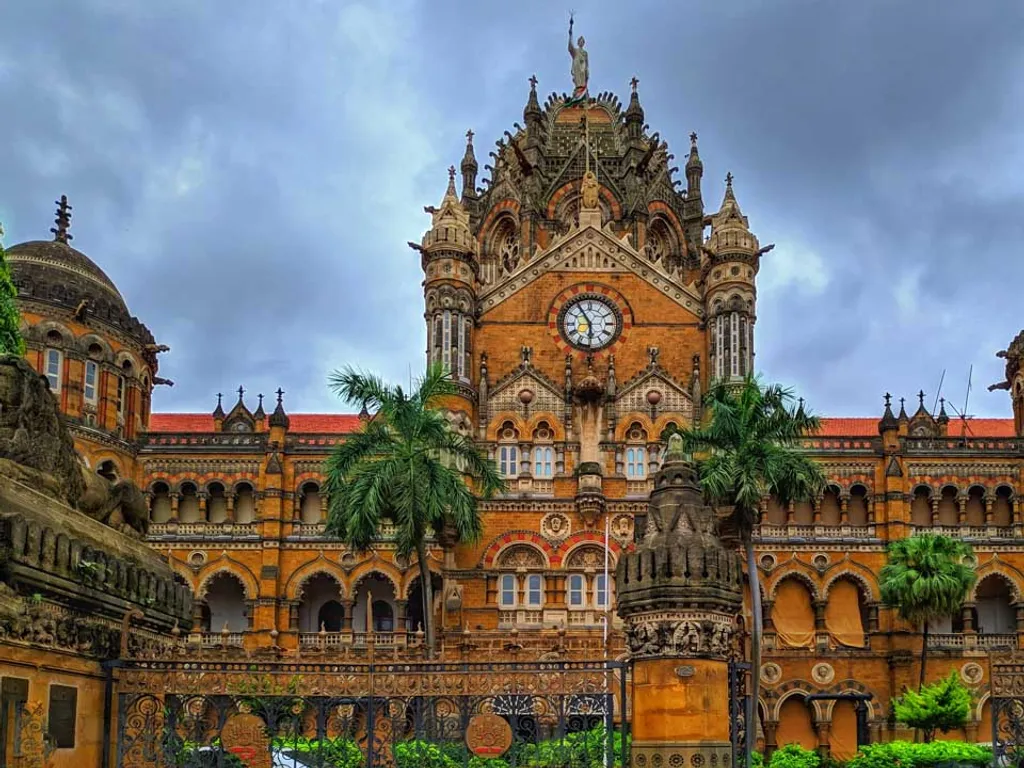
pixel 245 737
pixel 685 671
pixel 488 735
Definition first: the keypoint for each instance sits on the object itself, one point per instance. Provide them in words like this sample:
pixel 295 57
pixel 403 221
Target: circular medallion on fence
pixel 488 735
pixel 245 737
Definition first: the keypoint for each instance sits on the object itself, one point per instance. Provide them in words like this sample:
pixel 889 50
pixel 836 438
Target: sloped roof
pixel 868 427
pixel 332 423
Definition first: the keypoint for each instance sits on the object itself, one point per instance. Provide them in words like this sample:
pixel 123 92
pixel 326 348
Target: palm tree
pixel 924 579
pixel 747 450
pixel 408 467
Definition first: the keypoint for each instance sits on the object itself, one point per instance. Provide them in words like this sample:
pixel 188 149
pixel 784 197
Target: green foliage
pixel 941 706
pixel 11 342
pixel 748 448
pixel 585 749
pixel 341 752
pixel 756 760
pixel 907 755
pixel 794 756
pixel 406 466
pixel 925 578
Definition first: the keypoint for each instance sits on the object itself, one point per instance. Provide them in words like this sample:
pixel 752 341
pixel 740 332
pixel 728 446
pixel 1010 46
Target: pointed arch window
pixel 54 369
pixel 508 451
pixel 91 377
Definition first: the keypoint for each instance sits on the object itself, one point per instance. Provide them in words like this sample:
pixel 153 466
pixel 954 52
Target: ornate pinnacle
pixel 920 398
pixel 728 179
pixel 634 83
pixel 888 399
pixel 280 395
pixel 63 221
pixel 241 392
pixel 693 138
pixel 469 136
pixel 533 82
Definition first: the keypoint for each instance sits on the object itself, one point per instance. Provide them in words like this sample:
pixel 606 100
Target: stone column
pixel 679 592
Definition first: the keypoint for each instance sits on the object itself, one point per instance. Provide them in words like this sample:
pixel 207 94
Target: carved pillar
pixel 346 620
pixel 816 510
pixel 766 609
pixel 293 616
pixel 967 616
pixel 790 511
pixel 961 510
pixel 680 619
pixel 250 615
pixel 872 618
pixel 297 508
pixel 201 499
pixel 989 516
pixel 323 507
pixel 229 509
pixel 935 509
pixel 819 615
pixel 771 728
pixel 824 731
pixel 873 506
pixel 401 608
pixel 844 509
pixel 175 498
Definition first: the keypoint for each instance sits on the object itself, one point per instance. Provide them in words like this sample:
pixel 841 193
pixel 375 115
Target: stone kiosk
pixel 679 593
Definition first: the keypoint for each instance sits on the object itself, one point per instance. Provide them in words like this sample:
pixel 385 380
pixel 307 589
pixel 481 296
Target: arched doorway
pixel 375 595
pixel 320 591
pixel 414 621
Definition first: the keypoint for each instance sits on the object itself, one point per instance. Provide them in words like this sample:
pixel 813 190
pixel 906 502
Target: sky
pixel 249 174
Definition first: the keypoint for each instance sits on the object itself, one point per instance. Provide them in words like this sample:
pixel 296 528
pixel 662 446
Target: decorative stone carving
pixel 680 589
pixel 622 528
pixel 245 736
pixel 972 673
pixel 555 526
pixel 823 673
pixel 586 558
pixel 771 673
pixel 521 556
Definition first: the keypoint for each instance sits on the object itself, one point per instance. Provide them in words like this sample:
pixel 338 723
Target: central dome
pixel 53 264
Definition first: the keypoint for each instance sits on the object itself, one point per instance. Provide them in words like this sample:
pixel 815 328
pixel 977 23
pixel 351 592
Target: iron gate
pixel 566 714
pixel 1007 704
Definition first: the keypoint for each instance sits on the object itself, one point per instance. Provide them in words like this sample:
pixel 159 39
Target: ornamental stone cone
pixel 679 592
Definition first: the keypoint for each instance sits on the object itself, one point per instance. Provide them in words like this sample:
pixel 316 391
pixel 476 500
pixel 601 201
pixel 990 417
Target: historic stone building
pixel 584 296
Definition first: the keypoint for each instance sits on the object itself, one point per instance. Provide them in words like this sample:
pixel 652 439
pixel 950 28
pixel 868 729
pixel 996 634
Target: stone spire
pixel 279 418
pixel 218 412
pixel 260 413
pixel 694 169
pixel 533 115
pixel 449 226
pixel 63 221
pixel 634 113
pixel 888 421
pixel 730 231
pixel 469 168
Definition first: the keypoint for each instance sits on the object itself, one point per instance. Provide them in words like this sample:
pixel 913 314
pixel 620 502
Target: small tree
pixel 925 579
pixel 11 342
pixel 408 467
pixel 942 706
pixel 748 448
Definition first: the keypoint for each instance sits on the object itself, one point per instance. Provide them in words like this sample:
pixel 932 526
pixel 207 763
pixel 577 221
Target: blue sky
pixel 249 176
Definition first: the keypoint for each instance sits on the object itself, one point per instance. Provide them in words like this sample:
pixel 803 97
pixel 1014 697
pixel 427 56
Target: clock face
pixel 590 322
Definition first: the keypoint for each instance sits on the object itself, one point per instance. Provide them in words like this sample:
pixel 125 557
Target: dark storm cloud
pixel 249 177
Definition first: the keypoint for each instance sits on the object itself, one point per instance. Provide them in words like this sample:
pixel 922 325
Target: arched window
pixel 775 513
pixel 90 384
pixel 309 503
pixel 829 509
pixel 636 453
pixel 543 461
pixel 600 592
pixel 450 342
pixel 216 504
pixel 383 616
pixel 796 723
pixel 160 505
pixel 995 606
pixel 846 614
pixel 508 451
pixel 506 245
pixel 921 508
pixel 188 504
pixel 974 511
pixel 658 245
pixel 245 503
pixel 225 598
pixel 857 506
pixel 54 361
pixel 1002 507
pixel 793 614
pixel 948 513
pixel 319 591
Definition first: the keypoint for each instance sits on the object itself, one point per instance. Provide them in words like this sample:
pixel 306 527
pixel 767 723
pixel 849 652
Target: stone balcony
pixel 768 533
pixel 970 641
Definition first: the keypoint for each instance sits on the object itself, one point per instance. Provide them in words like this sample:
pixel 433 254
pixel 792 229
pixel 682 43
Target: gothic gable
pixel 545 394
pixel 672 397
pixel 589 250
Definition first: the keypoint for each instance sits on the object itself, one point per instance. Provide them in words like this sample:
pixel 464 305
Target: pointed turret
pixel 240 418
pixel 634 114
pixel 279 418
pixel 218 413
pixel 943 418
pixel 469 168
pixel 732 257
pixel 888 421
pixel 694 169
pixel 533 116
pixel 260 413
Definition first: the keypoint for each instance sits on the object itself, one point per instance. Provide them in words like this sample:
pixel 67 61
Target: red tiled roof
pixel 868 427
pixel 341 423
pixel 334 423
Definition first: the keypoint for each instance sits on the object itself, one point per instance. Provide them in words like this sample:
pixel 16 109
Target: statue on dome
pixel 580 68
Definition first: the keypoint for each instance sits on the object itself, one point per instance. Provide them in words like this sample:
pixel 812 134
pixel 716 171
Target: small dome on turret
pixel 730 231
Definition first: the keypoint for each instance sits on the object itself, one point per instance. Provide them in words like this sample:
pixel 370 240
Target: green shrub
pixel 907 755
pixel 942 706
pixel 794 756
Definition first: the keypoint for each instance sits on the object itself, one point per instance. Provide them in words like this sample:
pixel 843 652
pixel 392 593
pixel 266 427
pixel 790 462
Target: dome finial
pixel 451 182
pixel 63 221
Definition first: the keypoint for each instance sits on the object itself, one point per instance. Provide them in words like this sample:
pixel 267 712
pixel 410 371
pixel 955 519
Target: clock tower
pixel 569 297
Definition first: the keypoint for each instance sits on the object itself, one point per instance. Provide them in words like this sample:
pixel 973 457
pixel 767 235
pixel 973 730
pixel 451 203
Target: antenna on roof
pixel 938 391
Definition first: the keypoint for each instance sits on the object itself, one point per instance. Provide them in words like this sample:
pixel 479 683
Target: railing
pixel 967 444
pixel 992 642
pixel 221 639
pixel 175 528
pixel 232 440
pixel 972 531
pixel 349 639
pixel 946 641
pixel 961 641
pixel 776 532
pixel 639 487
pixel 520 617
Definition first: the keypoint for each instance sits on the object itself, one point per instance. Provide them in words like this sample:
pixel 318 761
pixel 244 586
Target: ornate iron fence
pixel 738 703
pixel 1007 702
pixel 561 714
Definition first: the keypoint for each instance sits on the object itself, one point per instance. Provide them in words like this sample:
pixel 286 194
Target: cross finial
pixel 888 400
pixel 63 221
pixel 469 136
pixel 903 401
pixel 241 391
pixel 920 397
pixel 533 82
pixel 693 138
pixel 634 83
pixel 260 396
pixel 451 173
pixel 219 396
pixel 728 179
pixel 280 395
